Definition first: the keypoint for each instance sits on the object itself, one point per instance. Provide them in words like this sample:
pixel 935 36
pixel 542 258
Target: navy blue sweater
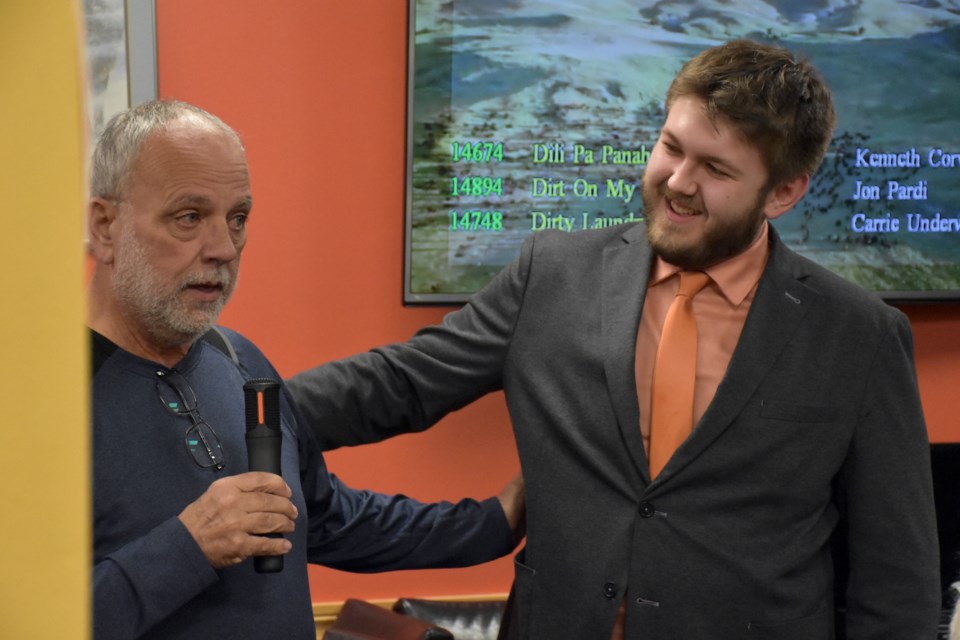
pixel 151 580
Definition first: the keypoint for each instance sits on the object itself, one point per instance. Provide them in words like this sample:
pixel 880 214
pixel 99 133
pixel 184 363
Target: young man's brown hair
pixel 780 103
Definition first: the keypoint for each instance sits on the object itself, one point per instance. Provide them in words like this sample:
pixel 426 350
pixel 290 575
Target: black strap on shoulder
pixel 217 338
pixel 102 348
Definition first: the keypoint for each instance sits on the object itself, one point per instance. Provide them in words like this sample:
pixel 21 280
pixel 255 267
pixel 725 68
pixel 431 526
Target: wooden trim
pixel 324 613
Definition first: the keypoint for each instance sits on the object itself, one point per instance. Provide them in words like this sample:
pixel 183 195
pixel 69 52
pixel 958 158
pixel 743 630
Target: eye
pixel 238 222
pixel 717 171
pixel 188 218
pixel 672 149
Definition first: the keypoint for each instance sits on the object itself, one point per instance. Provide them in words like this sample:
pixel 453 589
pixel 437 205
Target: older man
pixel 176 512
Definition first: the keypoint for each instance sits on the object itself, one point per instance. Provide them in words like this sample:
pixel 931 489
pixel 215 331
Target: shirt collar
pixel 735 277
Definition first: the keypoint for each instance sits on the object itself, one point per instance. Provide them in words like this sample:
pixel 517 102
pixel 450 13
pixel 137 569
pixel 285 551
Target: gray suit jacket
pixel 816 422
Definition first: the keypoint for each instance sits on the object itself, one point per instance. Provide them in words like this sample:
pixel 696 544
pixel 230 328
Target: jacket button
pixel 609 591
pixel 646 510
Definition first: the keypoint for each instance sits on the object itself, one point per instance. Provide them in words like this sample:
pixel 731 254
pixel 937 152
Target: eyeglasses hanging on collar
pixel 201 440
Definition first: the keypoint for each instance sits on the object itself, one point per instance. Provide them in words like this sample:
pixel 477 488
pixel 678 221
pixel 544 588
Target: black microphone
pixel 262 400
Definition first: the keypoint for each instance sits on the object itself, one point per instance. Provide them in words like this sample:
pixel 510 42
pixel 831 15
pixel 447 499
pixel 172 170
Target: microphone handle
pixel 263 450
pixel 263 454
pixel 263 446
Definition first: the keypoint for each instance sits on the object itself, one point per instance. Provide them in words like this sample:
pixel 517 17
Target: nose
pixel 682 179
pixel 221 244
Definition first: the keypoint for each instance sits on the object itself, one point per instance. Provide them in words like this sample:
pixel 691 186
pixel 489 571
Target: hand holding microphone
pixel 263 436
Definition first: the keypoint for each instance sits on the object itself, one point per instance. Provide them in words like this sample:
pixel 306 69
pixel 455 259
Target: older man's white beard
pixel 156 305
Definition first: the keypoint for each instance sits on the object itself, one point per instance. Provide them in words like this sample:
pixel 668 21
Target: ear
pixel 784 196
pixel 102 227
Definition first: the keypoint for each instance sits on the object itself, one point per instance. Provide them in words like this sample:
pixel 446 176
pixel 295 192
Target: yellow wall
pixel 43 377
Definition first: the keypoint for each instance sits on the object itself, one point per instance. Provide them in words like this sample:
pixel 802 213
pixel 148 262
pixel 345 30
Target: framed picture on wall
pixel 121 57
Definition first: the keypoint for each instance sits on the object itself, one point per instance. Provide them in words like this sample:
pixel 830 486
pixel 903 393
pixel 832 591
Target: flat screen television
pixel 533 114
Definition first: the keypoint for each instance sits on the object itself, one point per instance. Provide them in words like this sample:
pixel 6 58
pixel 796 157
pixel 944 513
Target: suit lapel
pixel 626 268
pixel 780 305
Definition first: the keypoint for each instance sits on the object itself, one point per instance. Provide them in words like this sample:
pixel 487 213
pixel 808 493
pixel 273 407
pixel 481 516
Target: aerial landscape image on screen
pixel 541 114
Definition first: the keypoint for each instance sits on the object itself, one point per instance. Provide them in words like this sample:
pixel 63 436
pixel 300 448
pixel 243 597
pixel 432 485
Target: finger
pixel 259 481
pixel 226 553
pixel 257 502
pixel 262 546
pixel 224 500
pixel 264 523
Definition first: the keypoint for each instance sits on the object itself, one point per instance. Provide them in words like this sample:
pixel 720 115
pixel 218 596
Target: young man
pixel 805 401
pixel 176 512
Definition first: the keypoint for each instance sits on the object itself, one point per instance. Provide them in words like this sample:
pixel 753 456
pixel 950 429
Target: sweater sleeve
pixel 364 531
pixel 146 580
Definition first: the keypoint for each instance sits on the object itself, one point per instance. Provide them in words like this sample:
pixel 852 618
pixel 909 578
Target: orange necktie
pixel 674 374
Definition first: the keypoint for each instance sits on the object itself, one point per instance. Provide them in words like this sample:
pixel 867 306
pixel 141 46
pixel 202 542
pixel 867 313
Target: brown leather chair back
pixel 360 620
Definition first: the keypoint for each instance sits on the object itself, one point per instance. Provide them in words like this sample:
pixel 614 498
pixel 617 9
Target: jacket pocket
pixel 790 412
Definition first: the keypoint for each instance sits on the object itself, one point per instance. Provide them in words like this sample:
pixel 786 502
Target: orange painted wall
pixel 317 89
pixel 936 334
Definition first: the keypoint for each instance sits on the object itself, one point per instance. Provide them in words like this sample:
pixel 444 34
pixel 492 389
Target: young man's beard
pixel 158 305
pixel 722 237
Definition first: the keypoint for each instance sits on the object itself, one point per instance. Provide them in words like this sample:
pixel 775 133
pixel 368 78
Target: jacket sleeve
pixel 893 585
pixel 407 387
pixel 146 580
